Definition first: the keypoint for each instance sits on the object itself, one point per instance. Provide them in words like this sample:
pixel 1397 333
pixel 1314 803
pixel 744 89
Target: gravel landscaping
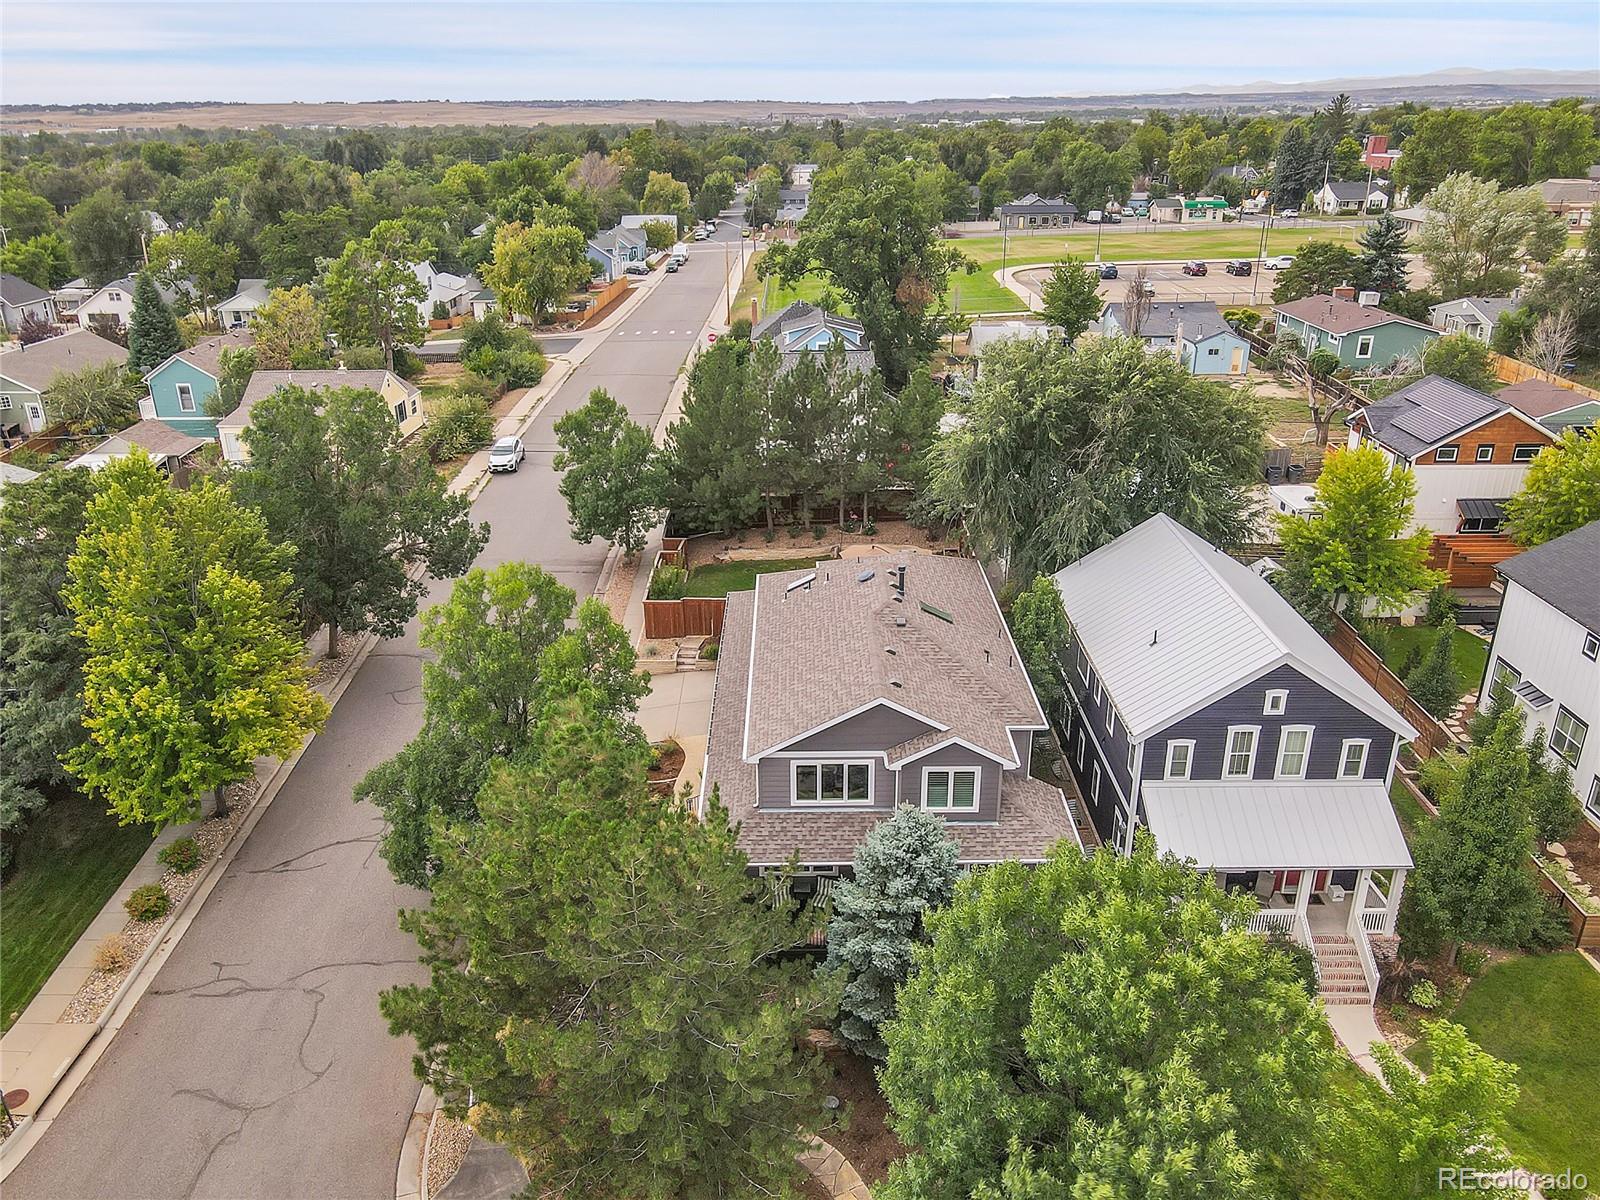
pixel 448 1143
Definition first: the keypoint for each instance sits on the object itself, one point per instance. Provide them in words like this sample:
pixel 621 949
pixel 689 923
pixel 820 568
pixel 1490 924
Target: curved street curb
pixel 410 1178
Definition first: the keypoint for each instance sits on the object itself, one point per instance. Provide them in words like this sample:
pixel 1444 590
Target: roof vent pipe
pixel 1154 634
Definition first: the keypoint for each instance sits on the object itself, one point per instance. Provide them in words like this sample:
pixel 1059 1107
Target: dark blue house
pixel 1204 708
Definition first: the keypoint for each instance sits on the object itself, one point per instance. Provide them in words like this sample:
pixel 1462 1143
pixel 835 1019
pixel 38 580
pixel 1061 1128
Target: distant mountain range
pixel 1460 85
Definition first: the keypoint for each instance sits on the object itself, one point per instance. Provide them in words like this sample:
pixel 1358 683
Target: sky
pixel 286 50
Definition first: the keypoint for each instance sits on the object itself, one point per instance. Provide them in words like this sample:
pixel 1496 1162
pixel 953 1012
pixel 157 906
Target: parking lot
pixel 1172 284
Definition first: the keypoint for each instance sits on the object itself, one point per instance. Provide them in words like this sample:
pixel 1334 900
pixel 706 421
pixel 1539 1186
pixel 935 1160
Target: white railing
pixel 1369 967
pixel 1270 919
pixel 1375 920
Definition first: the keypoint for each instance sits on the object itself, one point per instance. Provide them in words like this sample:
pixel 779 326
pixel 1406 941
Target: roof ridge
pixel 1233 592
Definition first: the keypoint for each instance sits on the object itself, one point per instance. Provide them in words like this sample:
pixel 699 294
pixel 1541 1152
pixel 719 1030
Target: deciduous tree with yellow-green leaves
pixel 194 668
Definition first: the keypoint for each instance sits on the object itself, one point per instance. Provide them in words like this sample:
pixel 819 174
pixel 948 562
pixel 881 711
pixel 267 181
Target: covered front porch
pixel 1326 862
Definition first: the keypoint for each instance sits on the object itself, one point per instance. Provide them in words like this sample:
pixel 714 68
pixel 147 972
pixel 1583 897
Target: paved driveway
pixel 257 1065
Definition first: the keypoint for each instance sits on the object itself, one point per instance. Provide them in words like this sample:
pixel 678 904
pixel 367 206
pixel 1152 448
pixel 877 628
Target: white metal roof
pixel 1171 623
pixel 1257 826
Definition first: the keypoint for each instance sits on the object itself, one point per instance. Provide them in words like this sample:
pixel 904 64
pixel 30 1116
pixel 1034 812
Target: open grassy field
pixel 980 292
pixel 718 579
pixel 68 863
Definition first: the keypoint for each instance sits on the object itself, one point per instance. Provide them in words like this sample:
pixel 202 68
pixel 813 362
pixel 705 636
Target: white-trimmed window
pixel 1364 346
pixel 1591 645
pixel 1132 757
pixel 1294 751
pixel 1525 453
pixel 1567 736
pixel 1446 453
pixel 5 402
pixel 1486 453
pixel 1180 758
pixel 1094 782
pixel 1083 667
pixel 1277 701
pixel 1080 748
pixel 1353 758
pixel 185 398
pixel 950 789
pixel 1505 675
pixel 400 413
pixel 1111 721
pixel 1239 757
pixel 829 782
pixel 1099 692
pixel 1593 802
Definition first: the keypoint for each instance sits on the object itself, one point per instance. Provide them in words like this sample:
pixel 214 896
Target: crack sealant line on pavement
pixel 75 1069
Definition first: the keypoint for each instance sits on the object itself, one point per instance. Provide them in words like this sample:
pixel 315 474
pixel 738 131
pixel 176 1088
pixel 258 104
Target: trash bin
pixel 1296 472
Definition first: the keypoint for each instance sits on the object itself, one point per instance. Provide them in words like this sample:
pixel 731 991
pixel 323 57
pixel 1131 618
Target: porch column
pixel 1392 909
pixel 1302 901
pixel 1356 923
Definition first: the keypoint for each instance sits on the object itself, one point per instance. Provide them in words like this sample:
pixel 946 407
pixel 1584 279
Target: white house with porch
pixel 1203 707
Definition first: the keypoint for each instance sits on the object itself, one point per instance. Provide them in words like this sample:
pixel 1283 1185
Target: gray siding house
pixel 847 689
pixel 1204 708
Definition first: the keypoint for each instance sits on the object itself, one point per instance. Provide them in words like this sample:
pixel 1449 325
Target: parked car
pixel 1095 216
pixel 1290 214
pixel 700 235
pixel 1239 266
pixel 1194 267
pixel 637 268
pixel 672 266
pixel 506 454
pixel 745 232
pixel 1279 262
pixel 1149 289
pixel 1108 270
pixel 1114 218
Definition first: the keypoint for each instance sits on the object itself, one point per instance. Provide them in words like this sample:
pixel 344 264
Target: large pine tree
pixel 605 987
pixel 1383 254
pixel 153 335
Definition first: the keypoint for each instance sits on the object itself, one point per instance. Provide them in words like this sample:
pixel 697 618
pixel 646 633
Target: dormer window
pixel 832 783
pixel 953 790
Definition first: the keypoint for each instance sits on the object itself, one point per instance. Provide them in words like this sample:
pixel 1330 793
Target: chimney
pixel 1344 293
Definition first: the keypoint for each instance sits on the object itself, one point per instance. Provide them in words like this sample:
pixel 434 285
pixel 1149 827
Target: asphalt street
pixel 257 1065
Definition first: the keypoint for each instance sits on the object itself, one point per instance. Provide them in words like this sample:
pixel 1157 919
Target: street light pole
pixel 1261 257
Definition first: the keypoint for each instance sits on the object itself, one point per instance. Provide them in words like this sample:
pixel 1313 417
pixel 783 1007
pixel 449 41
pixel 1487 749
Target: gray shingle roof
pixel 207 355
pixel 1170 623
pixel 610 239
pixel 16 290
pixel 1537 399
pixel 1248 826
pixel 249 292
pixel 1033 815
pixel 1199 319
pixel 1333 315
pixel 1565 574
pixel 263 383
pixel 1488 309
pixel 1034 203
pixel 1423 414
pixel 157 437
pixel 36 366
pixel 1350 189
pixel 823 651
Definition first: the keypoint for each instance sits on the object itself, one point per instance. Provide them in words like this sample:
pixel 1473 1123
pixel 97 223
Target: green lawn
pixel 1542 1013
pixel 68 864
pixel 718 579
pixel 1471 653
pixel 1411 815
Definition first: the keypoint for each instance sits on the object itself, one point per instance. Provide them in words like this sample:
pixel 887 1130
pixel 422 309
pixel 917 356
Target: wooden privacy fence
pixel 1514 370
pixel 692 616
pixel 1585 925
pixel 1431 736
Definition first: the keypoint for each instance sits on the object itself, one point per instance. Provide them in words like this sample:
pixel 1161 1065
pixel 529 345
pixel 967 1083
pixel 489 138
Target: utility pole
pixel 727 291
pixel 1261 256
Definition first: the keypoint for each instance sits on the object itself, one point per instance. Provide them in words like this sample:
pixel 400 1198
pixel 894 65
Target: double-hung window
pixel 1353 758
pixel 1364 346
pixel 1505 676
pixel 1240 760
pixel 1294 751
pixel 950 789
pixel 1180 758
pixel 832 783
pixel 1567 737
pixel 185 398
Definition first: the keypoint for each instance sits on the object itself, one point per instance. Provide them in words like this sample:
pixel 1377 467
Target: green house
pixel 1362 335
pixel 180 386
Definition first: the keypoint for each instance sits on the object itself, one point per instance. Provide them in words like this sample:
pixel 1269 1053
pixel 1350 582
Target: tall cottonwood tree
pixel 193 667
pixel 1063 450
pixel 328 473
pixel 372 292
pixel 606 986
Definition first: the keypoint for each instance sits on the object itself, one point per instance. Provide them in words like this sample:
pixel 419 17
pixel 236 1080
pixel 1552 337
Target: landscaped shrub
pixel 182 855
pixel 1551 930
pixel 1241 318
pixel 739 331
pixel 1425 994
pixel 441 311
pixel 115 953
pixel 1437 775
pixel 1442 607
pixel 408 364
pixel 670 582
pixel 1305 962
pixel 771 535
pixel 362 358
pixel 148 903
pixel 709 651
pixel 818 531
pixel 1435 684
pixel 470 383
pixel 508 356
pixel 1551 800
pixel 1471 960
pixel 458 424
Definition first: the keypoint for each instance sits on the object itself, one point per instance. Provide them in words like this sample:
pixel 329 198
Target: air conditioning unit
pixel 1368 299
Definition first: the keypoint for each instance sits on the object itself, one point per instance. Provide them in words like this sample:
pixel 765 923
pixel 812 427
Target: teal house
pixel 180 386
pixel 1362 335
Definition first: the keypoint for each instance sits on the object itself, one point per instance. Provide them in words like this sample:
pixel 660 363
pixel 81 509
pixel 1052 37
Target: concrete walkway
pixel 834 1172
pixel 1356 1030
pixel 489 1172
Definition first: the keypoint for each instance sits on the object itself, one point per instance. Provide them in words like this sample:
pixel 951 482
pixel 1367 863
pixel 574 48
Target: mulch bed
pixel 665 773
pixel 866 1139
pixel 1583 851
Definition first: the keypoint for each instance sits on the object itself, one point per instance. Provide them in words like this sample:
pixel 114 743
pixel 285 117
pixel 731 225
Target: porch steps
pixel 1339 973
pixel 688 655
